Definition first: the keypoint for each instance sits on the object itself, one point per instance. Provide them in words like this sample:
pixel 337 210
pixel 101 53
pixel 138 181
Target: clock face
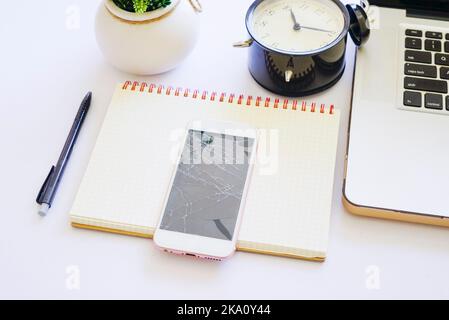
pixel 296 26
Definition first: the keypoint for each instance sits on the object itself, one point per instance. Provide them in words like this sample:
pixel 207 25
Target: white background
pixel 47 65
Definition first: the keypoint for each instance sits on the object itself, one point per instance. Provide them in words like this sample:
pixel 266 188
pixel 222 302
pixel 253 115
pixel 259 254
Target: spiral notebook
pixel 288 206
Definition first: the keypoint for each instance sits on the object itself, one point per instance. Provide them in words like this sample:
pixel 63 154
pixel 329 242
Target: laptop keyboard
pixel 426 70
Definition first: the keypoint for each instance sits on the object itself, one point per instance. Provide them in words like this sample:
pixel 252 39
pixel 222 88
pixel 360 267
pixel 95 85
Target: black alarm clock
pixel 298 47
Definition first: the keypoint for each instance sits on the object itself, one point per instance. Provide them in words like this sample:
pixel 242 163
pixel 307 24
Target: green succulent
pixel 142 6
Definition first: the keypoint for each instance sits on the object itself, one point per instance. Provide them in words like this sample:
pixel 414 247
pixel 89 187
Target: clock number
pixel 291 63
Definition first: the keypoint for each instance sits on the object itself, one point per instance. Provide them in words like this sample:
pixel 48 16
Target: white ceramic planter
pixel 148 43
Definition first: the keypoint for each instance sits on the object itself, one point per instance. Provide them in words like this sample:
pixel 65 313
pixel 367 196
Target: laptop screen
pixel 427 5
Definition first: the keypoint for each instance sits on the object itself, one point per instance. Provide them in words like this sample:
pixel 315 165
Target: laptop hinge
pixel 428 14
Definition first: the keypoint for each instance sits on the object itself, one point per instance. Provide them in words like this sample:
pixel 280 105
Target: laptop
pixel 398 151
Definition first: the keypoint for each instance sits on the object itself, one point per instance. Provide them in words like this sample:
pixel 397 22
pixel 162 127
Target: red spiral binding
pixel 241 99
pixel 168 92
pixel 267 102
pixel 295 105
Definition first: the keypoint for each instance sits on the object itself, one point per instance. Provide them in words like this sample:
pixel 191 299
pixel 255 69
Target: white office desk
pixel 48 62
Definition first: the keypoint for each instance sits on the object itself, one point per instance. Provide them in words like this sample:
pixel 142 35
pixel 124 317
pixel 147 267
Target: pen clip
pixel 44 187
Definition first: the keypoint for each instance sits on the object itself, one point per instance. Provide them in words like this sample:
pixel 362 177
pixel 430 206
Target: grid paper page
pixel 289 200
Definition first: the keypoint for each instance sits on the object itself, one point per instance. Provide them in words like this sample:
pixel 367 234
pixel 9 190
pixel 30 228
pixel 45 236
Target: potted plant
pixel 147 37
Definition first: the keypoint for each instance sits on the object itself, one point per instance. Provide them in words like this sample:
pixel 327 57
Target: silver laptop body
pixel 398 150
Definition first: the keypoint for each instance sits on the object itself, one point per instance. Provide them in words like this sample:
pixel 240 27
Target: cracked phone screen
pixel 208 187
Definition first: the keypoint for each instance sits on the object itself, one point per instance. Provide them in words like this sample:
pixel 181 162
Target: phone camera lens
pixel 207 139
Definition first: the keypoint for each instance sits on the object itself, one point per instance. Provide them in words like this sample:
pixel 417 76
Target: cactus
pixel 141 6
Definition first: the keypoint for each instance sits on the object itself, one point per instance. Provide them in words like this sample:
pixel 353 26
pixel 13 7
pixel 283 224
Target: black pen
pixel 50 186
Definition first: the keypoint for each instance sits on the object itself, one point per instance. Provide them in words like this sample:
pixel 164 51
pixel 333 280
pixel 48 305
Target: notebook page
pixel 288 212
pixel 128 176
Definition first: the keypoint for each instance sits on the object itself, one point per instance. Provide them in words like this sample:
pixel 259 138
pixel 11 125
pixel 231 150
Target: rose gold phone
pixel 206 198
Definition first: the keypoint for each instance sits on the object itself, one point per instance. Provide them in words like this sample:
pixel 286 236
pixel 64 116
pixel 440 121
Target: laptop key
pixel 446 46
pixel 447 103
pixel 444 73
pixel 413 43
pixel 412 99
pixel 413 33
pixel 433 45
pixel 442 59
pixel 420 70
pixel 434 101
pixel 434 35
pixel 425 85
pixel 418 56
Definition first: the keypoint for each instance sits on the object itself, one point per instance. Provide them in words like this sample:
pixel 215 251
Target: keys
pixel 442 59
pixel 413 43
pixel 444 73
pixel 420 70
pixel 418 56
pixel 426 78
pixel 413 33
pixel 434 35
pixel 433 45
pixel 412 99
pixel 433 101
pixel 425 85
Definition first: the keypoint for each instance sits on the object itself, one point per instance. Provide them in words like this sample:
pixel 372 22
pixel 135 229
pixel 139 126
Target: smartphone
pixel 204 205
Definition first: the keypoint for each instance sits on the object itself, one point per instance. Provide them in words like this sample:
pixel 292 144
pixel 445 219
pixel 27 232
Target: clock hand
pixel 296 25
pixel 316 29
